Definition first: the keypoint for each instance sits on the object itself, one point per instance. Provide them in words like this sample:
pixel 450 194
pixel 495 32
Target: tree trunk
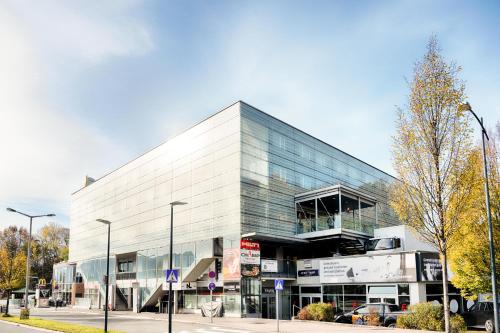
pixel 8 298
pixel 446 301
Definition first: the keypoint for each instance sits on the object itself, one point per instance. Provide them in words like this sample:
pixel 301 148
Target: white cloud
pixel 47 151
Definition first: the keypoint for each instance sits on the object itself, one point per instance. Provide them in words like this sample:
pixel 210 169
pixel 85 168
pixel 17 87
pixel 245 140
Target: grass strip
pixel 55 325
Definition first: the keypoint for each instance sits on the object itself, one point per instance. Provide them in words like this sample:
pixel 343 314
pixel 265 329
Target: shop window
pixel 355 289
pixel 332 289
pixel 353 301
pixel 310 290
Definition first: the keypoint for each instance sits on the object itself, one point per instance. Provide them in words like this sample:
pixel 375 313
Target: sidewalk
pixel 251 324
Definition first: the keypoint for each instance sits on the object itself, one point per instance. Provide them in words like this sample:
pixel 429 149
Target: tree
pixel 49 247
pixel 430 151
pixel 12 260
pixel 469 254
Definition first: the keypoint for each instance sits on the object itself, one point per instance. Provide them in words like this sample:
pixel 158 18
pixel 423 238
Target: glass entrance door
pixel 305 300
pixel 269 307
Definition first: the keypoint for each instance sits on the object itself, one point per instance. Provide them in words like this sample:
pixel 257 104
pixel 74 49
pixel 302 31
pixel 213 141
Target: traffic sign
pixel 172 275
pixel 278 284
pixel 211 286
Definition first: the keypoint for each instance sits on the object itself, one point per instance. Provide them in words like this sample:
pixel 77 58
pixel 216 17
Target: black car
pixel 480 315
pixel 387 314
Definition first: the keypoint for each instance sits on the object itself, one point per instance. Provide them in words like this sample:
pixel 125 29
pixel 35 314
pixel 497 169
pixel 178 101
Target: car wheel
pixel 392 325
pixel 488 326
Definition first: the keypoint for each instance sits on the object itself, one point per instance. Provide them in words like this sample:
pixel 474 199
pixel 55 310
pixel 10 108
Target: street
pixel 129 322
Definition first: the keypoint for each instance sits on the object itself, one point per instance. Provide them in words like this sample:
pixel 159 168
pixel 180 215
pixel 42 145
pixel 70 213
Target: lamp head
pixel 11 210
pixel 103 221
pixel 51 215
pixel 465 107
pixel 178 203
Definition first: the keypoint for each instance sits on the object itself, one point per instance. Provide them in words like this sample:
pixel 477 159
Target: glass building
pixel 245 176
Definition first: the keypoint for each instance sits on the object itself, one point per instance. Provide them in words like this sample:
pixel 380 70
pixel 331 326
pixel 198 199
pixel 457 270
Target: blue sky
pixel 88 85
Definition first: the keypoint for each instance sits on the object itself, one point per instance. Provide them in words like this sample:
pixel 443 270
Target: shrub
pixel 457 324
pixel 6 315
pixel 423 316
pixel 24 314
pixel 304 314
pixel 317 311
pixel 407 321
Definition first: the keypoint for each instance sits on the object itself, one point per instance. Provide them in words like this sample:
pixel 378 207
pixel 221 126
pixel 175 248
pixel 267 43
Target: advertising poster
pixel 430 267
pixel 231 265
pixel 250 258
pixel 384 268
pixel 269 266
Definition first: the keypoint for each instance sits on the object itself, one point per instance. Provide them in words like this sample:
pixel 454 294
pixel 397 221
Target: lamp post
pixel 172 204
pixel 108 223
pixel 28 261
pixel 467 107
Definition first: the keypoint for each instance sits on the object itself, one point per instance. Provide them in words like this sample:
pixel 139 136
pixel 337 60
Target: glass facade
pixel 279 161
pixel 239 172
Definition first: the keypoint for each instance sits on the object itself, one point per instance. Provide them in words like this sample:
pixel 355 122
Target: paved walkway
pixel 131 322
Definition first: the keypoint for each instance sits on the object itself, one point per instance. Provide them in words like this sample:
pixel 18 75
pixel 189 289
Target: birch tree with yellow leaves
pixel 430 155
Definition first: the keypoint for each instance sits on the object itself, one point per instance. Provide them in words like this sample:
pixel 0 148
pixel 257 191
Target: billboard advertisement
pixel 231 265
pixel 250 258
pixel 381 268
pixel 430 267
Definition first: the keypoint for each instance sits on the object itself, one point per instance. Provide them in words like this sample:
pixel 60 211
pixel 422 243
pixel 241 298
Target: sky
pixel 86 86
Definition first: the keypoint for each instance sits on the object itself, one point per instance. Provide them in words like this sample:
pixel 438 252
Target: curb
pixel 28 326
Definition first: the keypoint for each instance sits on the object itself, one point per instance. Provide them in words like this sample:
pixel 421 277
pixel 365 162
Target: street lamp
pixel 108 223
pixel 28 261
pixel 172 204
pixel 467 107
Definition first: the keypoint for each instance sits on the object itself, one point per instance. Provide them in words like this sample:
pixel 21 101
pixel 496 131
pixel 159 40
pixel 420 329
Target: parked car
pixel 372 313
pixel 480 315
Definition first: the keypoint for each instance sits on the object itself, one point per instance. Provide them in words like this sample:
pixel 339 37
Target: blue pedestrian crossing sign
pixel 278 284
pixel 172 275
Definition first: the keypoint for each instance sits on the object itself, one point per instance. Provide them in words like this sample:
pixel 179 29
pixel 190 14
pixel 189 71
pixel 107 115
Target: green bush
pixel 24 314
pixel 457 324
pixel 317 311
pixel 423 316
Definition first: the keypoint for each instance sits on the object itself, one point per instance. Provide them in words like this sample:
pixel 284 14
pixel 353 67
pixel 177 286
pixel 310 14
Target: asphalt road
pixel 134 324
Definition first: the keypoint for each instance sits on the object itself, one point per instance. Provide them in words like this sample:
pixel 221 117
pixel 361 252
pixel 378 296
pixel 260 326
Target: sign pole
pixel 277 311
pixel 211 308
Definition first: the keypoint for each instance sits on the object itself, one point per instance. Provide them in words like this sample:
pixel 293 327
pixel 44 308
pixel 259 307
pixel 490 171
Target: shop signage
pixel 250 252
pixel 250 258
pixel 430 267
pixel 382 268
pixel 308 272
pixel 269 266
